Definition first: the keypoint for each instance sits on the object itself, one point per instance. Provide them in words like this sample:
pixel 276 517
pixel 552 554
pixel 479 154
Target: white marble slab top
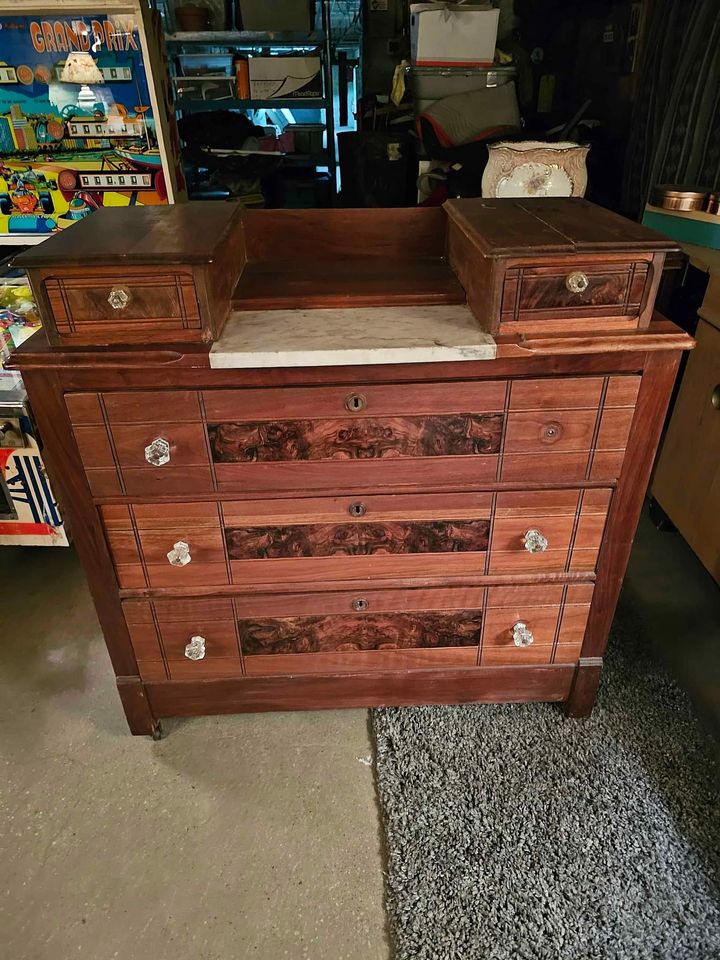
pixel 342 337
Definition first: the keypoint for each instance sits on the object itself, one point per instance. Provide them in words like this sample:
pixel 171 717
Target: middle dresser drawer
pixel 340 538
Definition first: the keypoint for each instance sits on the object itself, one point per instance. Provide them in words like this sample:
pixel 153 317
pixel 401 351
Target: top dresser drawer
pixel 139 275
pixel 291 440
pixel 553 265
pixel 598 287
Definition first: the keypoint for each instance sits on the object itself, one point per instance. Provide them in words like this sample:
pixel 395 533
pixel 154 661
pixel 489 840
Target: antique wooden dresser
pixel 351 457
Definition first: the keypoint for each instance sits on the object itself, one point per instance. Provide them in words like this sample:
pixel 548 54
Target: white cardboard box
pixel 453 35
pixel 284 78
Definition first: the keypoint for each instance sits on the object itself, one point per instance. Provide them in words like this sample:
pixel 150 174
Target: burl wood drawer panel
pixel 317 439
pixel 348 632
pixel 601 287
pixel 242 542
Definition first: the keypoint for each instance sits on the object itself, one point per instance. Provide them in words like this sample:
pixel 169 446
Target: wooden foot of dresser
pixel 584 688
pixel 136 705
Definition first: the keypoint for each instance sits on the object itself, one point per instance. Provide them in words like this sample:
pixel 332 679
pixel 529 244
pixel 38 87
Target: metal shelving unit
pixel 195 104
pixel 240 40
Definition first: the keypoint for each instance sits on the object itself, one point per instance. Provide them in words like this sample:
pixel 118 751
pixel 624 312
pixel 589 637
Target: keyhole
pixel 356 401
pixel 357 509
pixel 360 603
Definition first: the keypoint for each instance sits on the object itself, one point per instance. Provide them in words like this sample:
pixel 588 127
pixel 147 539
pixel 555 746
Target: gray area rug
pixel 512 833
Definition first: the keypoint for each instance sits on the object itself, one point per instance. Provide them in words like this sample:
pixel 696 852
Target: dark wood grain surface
pixel 191 232
pixel 356 439
pixel 366 631
pixel 363 282
pixel 357 539
pixel 526 227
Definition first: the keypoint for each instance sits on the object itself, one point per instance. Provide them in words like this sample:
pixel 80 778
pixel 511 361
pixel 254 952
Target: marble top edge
pixel 350 336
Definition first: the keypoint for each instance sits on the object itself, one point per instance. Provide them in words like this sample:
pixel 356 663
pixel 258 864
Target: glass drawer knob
pixel 119 298
pixel 180 554
pixel 534 541
pixel 157 453
pixel 577 282
pixel 195 650
pixel 522 635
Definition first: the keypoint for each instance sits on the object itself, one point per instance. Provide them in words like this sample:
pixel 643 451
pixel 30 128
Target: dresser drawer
pixel 348 632
pixel 403 535
pixel 283 440
pixel 144 301
pixel 168 281
pixel 598 287
pixel 298 541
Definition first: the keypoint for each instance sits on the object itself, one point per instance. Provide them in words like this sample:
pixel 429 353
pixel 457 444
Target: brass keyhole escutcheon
pixel 357 509
pixel 355 402
pixel 360 604
pixel 715 397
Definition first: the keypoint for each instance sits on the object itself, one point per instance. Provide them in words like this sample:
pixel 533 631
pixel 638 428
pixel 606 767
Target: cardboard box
pixel 453 35
pixel 285 78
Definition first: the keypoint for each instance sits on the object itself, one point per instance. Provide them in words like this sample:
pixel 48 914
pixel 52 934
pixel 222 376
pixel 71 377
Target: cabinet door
pixel 687 479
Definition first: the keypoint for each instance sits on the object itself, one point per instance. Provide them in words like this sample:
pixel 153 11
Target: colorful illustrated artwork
pixel 29 513
pixel 68 148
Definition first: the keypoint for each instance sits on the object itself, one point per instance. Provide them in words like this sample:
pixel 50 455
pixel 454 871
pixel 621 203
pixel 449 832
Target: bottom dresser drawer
pixel 344 632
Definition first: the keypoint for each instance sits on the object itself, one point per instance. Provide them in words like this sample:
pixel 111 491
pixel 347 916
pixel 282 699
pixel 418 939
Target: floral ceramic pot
pixel 535 169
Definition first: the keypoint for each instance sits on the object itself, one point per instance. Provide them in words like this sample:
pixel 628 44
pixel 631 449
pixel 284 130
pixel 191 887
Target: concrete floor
pixel 248 836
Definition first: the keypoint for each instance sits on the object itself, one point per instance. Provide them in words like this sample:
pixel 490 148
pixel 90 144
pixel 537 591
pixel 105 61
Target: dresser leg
pixel 583 692
pixel 137 709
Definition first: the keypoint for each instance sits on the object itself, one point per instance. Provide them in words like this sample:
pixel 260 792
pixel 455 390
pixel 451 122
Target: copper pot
pixel 713 204
pixel 671 197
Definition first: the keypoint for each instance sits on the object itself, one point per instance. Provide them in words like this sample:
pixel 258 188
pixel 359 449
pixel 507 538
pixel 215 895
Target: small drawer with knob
pixel 530 624
pixel 140 275
pixel 548 531
pixel 184 639
pixel 604 287
pixel 144 442
pixel 124 307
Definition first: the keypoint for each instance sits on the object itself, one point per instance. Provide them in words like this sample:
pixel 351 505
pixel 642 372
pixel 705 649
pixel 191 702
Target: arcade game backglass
pixel 106 139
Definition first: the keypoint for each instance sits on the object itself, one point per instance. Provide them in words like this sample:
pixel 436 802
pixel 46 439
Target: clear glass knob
pixel 157 453
pixel 119 298
pixel 577 282
pixel 180 554
pixel 195 650
pixel 534 541
pixel 522 635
